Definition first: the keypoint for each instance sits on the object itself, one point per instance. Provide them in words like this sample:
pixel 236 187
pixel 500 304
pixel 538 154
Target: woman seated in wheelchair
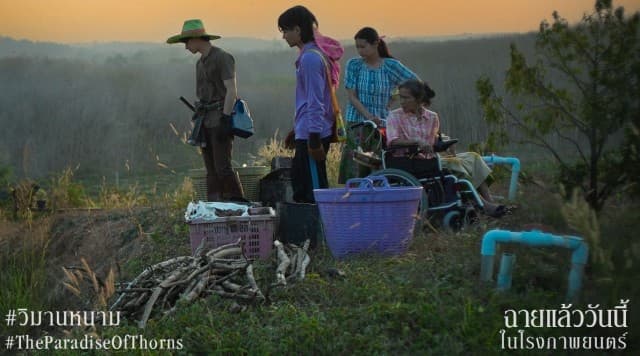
pixel 414 124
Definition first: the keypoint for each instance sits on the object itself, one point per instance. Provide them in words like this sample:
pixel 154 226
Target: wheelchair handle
pixel 368 123
pixel 382 179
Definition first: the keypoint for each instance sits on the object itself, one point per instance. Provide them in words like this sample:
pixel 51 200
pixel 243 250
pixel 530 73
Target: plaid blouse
pixel 373 86
pixel 402 125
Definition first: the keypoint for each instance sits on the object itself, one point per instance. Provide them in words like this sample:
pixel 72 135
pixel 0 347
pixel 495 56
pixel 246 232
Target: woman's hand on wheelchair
pixel 375 119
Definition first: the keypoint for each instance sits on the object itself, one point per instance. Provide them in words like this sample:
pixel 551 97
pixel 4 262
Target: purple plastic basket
pixel 365 217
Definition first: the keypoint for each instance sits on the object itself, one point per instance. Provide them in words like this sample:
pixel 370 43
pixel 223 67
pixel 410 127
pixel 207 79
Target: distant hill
pixel 235 44
pixel 10 47
pixel 461 36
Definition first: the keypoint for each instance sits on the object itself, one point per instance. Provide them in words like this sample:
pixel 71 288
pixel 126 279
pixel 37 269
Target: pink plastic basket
pixel 365 217
pixel 256 232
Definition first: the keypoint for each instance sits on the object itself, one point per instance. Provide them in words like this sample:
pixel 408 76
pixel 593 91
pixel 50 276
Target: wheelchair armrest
pixel 442 146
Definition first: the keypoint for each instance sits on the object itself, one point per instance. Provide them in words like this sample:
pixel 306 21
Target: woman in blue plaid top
pixel 370 80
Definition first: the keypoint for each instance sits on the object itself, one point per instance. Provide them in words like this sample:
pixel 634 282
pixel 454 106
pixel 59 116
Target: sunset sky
pixel 70 21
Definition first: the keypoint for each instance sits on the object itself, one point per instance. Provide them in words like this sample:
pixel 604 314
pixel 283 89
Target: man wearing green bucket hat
pixel 216 91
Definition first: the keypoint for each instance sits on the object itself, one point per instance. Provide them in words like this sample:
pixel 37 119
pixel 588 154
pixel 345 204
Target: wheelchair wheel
pixel 453 220
pixel 470 216
pixel 400 178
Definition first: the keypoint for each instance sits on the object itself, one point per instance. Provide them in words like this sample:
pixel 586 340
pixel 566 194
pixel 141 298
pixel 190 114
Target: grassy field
pixel 428 301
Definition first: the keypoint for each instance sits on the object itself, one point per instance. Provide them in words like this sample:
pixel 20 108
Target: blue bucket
pixel 368 216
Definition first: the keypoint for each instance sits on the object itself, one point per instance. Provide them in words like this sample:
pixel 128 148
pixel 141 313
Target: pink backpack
pixel 333 51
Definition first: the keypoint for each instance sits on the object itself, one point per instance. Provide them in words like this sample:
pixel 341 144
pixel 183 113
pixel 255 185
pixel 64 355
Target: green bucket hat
pixel 191 29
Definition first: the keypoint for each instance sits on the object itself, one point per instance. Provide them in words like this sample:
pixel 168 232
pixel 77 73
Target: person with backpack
pixel 316 71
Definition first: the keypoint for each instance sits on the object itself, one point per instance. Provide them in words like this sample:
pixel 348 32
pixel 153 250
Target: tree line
pixel 106 110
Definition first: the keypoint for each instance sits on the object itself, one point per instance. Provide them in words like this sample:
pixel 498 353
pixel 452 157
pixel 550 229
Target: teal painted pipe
pixel 506 271
pixel 515 170
pixel 536 238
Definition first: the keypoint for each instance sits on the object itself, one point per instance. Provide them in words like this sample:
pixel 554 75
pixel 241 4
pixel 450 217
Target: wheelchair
pixel 447 201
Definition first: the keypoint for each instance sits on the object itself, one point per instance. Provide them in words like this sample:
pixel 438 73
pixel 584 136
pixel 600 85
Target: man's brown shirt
pixel 211 72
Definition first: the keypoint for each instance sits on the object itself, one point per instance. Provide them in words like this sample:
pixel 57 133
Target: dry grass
pixel 275 148
pixel 181 197
pixel 333 163
pixel 65 192
pixel 85 284
pixel 581 218
pixel 23 196
pixel 23 254
pixel 112 198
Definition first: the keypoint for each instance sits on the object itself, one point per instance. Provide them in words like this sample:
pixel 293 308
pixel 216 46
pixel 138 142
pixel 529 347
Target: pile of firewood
pixel 223 271
pixel 292 260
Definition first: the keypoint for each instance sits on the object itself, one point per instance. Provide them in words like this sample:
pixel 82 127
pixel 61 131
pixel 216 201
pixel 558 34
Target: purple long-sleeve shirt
pixel 314 112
